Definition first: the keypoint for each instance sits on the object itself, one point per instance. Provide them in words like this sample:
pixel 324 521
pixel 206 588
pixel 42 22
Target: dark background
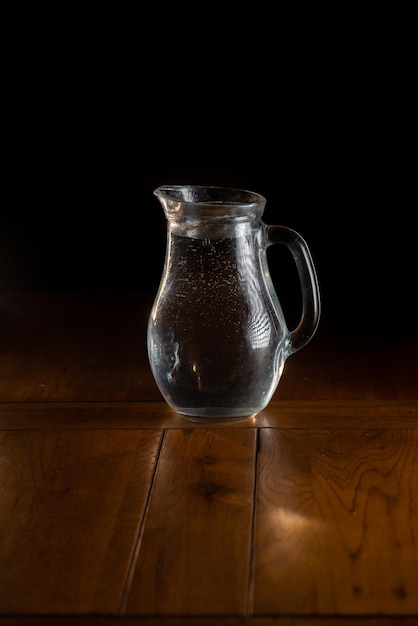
pixel 100 112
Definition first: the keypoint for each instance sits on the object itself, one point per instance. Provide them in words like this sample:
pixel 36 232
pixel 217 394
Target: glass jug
pixel 217 337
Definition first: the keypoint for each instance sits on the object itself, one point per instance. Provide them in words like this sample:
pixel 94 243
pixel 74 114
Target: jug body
pixel 217 336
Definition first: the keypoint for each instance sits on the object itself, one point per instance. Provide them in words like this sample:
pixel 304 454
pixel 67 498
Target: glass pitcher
pixel 217 337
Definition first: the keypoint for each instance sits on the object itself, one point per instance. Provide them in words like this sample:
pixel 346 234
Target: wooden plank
pixel 75 346
pixel 195 551
pixel 337 522
pixel 87 620
pixel 338 366
pixel 92 347
pixel 71 505
pixel 151 415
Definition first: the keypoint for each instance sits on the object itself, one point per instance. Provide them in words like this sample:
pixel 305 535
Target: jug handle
pixel 311 302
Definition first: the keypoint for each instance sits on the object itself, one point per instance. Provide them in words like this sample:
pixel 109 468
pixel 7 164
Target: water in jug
pixel 217 336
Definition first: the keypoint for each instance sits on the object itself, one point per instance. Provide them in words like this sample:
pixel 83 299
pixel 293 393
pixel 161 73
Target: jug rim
pixel 209 195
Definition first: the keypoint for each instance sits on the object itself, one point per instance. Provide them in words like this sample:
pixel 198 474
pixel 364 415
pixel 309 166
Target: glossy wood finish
pixel 115 510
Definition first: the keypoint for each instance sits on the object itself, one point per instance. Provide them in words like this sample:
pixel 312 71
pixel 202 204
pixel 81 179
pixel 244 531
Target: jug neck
pixel 191 202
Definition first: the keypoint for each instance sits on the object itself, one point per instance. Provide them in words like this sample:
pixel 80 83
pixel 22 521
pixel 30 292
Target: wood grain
pixel 69 346
pixel 337 522
pixel 92 347
pixel 151 415
pixel 71 506
pixel 115 509
pixel 195 550
pixel 88 620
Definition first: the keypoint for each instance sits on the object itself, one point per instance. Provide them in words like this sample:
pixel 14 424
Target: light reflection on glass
pixel 259 322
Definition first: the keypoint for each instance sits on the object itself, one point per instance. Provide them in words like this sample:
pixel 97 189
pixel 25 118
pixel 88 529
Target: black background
pixel 99 112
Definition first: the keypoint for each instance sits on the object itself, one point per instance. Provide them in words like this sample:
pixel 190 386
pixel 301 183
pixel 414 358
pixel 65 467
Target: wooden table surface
pixel 115 510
